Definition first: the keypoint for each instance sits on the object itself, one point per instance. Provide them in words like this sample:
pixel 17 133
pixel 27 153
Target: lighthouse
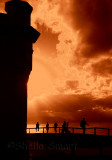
pixel 16 39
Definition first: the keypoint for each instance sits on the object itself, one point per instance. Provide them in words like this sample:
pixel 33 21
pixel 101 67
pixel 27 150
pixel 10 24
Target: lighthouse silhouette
pixel 16 39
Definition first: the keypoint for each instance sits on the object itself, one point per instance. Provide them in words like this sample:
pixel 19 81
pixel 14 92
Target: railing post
pixel 94 131
pixel 73 130
pixel 43 129
pixel 108 132
pixel 59 129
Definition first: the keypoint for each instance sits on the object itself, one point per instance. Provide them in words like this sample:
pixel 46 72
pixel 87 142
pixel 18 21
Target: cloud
pixel 72 84
pixel 47 41
pixel 2 5
pixel 103 67
pixel 105 102
pixel 69 107
pixel 93 20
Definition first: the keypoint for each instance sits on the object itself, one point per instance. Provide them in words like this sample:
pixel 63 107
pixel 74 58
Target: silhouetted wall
pixel 16 38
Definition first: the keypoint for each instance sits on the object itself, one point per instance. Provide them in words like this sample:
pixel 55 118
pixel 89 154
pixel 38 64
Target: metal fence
pixel 94 130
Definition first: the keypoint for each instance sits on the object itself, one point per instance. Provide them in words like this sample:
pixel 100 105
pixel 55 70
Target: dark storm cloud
pixel 93 19
pixel 103 68
pixel 105 102
pixel 70 107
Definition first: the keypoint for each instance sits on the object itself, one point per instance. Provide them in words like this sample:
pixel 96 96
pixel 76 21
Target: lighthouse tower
pixel 16 39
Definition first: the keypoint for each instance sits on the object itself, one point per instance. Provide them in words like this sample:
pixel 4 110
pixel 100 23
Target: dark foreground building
pixel 16 38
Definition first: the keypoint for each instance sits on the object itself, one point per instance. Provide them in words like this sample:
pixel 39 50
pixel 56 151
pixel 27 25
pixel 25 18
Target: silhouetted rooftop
pixel 17 6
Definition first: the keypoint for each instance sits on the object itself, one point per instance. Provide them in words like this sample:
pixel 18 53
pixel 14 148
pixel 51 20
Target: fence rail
pixel 59 130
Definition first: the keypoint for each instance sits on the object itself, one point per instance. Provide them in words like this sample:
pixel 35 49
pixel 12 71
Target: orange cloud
pixel 75 71
pixel 103 67
pixel 69 107
pixel 93 20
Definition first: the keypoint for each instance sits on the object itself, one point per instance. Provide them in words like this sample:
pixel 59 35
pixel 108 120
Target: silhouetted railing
pixel 70 130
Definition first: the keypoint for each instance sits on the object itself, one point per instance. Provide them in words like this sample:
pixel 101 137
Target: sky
pixel 72 61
